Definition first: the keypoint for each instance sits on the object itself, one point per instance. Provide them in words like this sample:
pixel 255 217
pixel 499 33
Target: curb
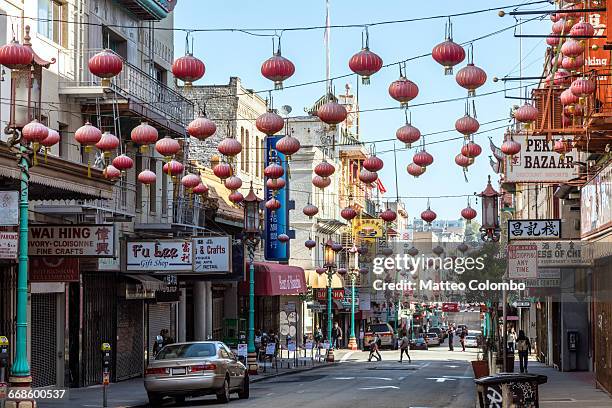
pixel 295 371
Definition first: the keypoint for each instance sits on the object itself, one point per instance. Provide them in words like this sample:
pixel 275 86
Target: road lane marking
pixel 451 366
pixel 441 379
pixel 344 378
pixel 457 376
pixel 346 356
pixel 380 387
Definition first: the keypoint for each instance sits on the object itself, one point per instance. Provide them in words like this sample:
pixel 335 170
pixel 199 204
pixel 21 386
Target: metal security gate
pixel 8 289
pixel 99 294
pixel 602 331
pixel 44 342
pixel 217 321
pixel 161 316
pixel 130 337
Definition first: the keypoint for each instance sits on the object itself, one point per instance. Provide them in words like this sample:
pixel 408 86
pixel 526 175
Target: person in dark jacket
pixel 451 334
pixel 523 345
pixel 336 334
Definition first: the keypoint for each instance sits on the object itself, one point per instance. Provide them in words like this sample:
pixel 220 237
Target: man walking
pixel 404 346
pixel 336 336
pixel 462 337
pixel 523 346
pixel 451 335
pixel 374 348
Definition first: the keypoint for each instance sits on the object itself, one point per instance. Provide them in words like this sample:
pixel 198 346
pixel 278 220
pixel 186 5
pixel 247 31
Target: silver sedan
pixel 196 368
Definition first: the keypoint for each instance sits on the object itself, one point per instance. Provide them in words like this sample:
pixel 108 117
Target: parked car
pixel 471 341
pixel 432 339
pixel 195 368
pixel 388 338
pixel 418 344
pixel 441 333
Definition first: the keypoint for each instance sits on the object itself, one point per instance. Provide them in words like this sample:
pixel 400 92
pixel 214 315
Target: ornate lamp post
pixel 353 272
pixel 26 85
pixel 329 262
pixel 490 230
pixel 252 223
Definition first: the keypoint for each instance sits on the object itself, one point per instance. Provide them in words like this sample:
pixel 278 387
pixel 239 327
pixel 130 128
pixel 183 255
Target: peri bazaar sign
pixel 159 256
pixel 537 162
pixel 534 229
pixel 212 254
pixel 92 240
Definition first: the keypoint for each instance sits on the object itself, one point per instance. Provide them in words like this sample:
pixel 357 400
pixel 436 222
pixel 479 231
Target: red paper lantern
pixel 144 134
pixel 526 114
pixel 275 184
pixel 428 216
pixel 167 146
pixel 173 168
pixel 471 150
pixel 582 29
pixel 273 204
pixel 147 177
pixel 408 134
pixel 471 77
pixel 87 135
pixel 553 40
pixel 510 147
pixel 309 243
pixel 229 147
pixel 188 69
pixel 403 90
pixel 562 146
pixel 321 271
pixel 105 64
pixel 332 113
pixel 233 183
pixel 413 251
pixel 123 162
pixel 201 128
pixel 462 161
pixel 108 142
pixel 448 54
pixel 467 125
pixel 310 210
pixel 288 145
pixel 283 238
pixel 572 48
pixel 324 169
pixel 562 26
pixel 236 197
pixel 365 63
pixel 274 171
pixel 388 215
pixel 34 132
pixel 572 64
pixel 223 170
pixel 348 213
pixel 423 159
pixel 561 78
pixel 373 163
pixel 277 68
pixel 582 87
pixel 415 170
pixel 189 181
pixel 200 189
pixel 53 137
pixel 321 182
pixel 367 176
pixel 16 56
pixel 270 123
pixel 468 213
pixel 110 172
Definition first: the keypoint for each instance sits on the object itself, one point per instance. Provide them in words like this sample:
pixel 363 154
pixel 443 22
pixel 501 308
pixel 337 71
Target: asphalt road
pixel 436 378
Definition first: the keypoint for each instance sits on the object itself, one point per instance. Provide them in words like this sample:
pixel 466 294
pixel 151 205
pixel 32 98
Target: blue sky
pixel 236 54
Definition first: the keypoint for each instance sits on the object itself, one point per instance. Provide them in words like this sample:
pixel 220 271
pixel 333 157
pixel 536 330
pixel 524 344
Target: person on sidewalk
pixel 374 348
pixel 451 335
pixel 511 340
pixel 523 345
pixel 361 335
pixel 404 346
pixel 462 337
pixel 336 336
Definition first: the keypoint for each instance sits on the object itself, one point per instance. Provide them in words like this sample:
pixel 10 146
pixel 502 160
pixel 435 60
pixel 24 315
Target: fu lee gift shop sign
pixel 91 240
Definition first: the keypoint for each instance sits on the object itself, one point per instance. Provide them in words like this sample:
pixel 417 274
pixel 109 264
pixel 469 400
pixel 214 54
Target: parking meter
pixel 106 365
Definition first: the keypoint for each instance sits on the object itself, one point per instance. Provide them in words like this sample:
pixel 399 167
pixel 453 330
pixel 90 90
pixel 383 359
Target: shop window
pixel 53 21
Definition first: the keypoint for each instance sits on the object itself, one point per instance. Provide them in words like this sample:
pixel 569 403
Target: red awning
pixel 272 279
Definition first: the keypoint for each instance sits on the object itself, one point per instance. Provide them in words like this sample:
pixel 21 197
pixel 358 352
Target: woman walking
pixel 374 348
pixel 404 346
pixel 523 346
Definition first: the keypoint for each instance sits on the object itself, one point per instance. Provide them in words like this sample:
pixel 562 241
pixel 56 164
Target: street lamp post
pixel 252 223
pixel 329 257
pixel 352 344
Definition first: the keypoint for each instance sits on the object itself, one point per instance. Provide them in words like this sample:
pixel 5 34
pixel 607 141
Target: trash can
pixel 509 390
pixel 499 362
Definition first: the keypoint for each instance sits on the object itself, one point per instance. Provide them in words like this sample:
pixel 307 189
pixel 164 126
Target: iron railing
pixel 135 84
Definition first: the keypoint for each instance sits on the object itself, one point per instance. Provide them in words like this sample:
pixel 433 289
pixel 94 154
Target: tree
pixel 493 271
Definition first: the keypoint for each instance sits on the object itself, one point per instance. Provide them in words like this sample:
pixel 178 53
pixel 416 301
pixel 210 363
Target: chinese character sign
pixel 159 256
pixel 534 229
pixel 94 240
pixel 276 222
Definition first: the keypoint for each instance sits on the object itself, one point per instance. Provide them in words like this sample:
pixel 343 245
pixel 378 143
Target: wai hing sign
pixel 91 240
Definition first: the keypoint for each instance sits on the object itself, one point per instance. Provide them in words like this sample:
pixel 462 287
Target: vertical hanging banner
pixel 276 222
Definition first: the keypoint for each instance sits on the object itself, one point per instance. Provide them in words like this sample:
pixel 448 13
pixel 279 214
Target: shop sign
pixel 54 269
pixel 276 222
pixel 159 256
pixel 242 350
pixel 368 228
pixel 534 229
pixel 596 203
pixel 136 291
pixel 538 163
pixel 337 294
pixel 560 254
pixel 548 273
pixel 542 283
pixel 522 261
pixel 91 240
pixel 8 245
pixel 450 307
pixel 9 208
pixel 365 299
pixel 212 254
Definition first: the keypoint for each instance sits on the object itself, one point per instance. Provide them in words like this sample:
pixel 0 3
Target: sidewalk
pixel 131 393
pixel 568 389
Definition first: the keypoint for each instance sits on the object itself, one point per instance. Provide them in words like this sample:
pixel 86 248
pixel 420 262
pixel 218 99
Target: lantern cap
pixel 252 197
pixel 489 191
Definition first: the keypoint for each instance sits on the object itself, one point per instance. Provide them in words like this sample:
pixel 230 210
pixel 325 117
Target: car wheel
pixel 244 391
pixel 155 400
pixel 223 395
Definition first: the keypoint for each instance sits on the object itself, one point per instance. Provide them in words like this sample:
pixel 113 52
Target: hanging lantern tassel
pixel 88 150
pixel 288 167
pixel 46 150
pixel 143 148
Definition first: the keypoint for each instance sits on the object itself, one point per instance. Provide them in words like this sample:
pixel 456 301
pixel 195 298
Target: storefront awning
pixel 272 279
pixel 149 283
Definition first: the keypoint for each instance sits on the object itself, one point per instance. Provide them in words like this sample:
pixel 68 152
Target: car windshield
pixel 192 350
pixel 379 328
